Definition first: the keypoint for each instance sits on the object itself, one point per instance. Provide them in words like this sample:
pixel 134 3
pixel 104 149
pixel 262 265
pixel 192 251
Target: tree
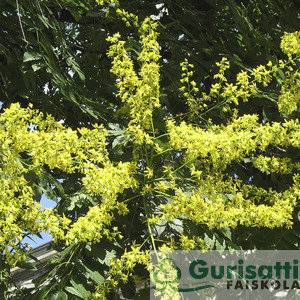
pixel 158 176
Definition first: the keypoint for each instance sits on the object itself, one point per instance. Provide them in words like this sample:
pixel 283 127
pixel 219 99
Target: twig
pixel 280 149
pixel 39 5
pixel 20 21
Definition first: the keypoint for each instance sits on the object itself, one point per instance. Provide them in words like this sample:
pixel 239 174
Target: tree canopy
pixel 153 125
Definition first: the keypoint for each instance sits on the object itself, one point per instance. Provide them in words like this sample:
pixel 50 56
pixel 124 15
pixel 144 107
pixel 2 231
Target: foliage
pixel 157 177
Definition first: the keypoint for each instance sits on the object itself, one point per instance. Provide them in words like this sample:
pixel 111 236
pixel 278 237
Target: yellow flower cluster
pixel 121 267
pixel 91 227
pixel 187 243
pixel 139 91
pixel 47 142
pixel 218 201
pixel 289 99
pixel 128 18
pixel 290 43
pixel 247 83
pixel 222 144
pixel 209 205
pixel 209 152
pixel 16 199
pixel 189 88
pixel 223 65
pixel 275 165
pixel 109 180
pixel 198 104
pixel 105 2
pixel 139 135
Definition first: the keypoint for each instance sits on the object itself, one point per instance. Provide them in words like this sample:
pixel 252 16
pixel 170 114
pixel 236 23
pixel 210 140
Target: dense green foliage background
pixel 54 54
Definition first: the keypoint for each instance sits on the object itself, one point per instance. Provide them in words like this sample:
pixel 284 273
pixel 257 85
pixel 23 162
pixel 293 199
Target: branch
pixel 20 21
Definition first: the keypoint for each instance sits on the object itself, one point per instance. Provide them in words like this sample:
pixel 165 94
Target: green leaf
pixel 115 129
pixel 58 296
pixel 161 227
pixel 46 22
pixel 26 265
pixel 97 14
pixel 90 111
pixel 76 200
pixel 281 75
pixel 41 279
pixel 42 293
pixel 33 257
pixel 128 288
pixel 162 144
pixel 62 256
pixel 37 66
pixel 118 141
pixel 74 65
pixel 142 294
pixel 74 291
pixel 226 231
pixel 91 274
pixel 210 241
pixel 45 182
pixel 79 287
pixel 230 196
pixel 176 225
pixel 220 244
pixel 50 193
pixel 30 56
pixel 108 256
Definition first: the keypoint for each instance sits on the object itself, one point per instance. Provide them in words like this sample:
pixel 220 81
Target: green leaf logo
pixel 167 274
